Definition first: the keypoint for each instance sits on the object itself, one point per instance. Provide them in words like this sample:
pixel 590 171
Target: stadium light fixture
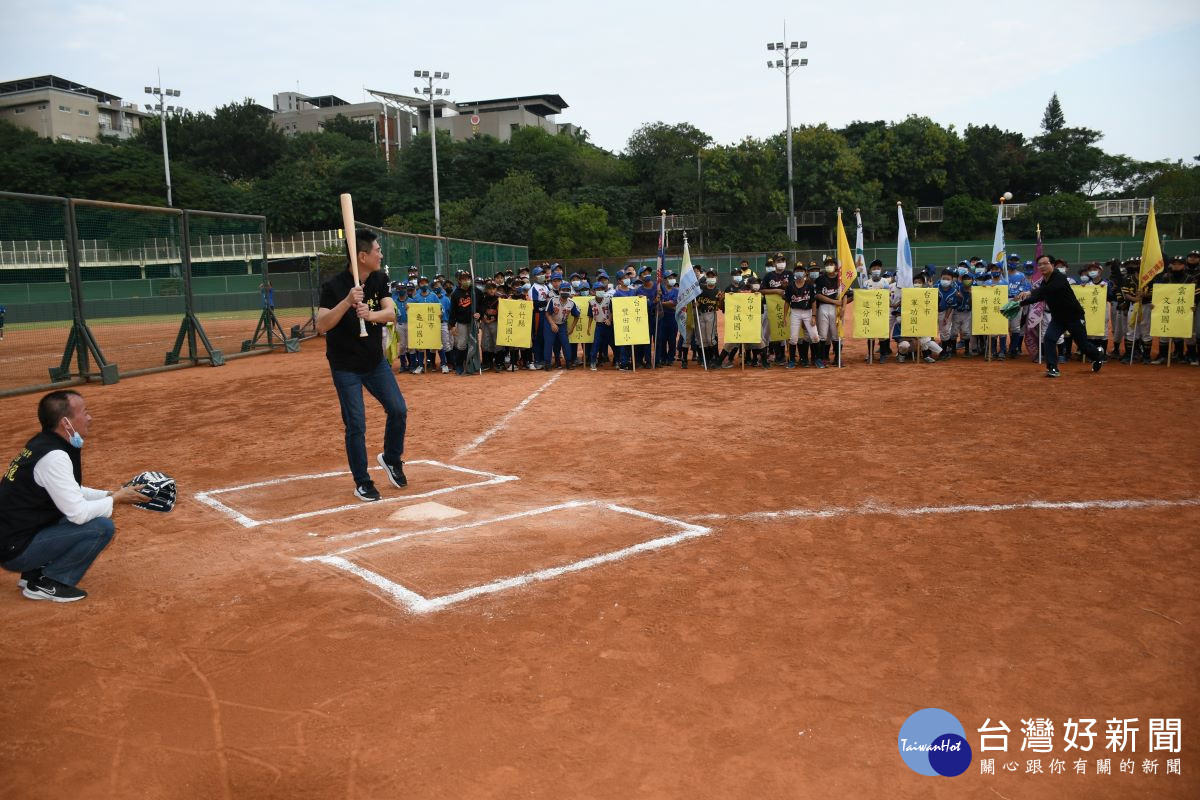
pixel 162 108
pixel 787 65
pixel 431 93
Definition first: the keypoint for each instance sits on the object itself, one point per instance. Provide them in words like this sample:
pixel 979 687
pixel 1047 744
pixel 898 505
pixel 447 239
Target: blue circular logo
pixel 933 742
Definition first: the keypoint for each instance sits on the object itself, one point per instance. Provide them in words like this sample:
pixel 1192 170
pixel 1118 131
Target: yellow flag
pixel 425 326
pixel 743 318
pixel 1152 257
pixel 585 326
pixel 514 326
pixel 986 319
pixel 1093 299
pixel 845 258
pixel 631 321
pixel 872 313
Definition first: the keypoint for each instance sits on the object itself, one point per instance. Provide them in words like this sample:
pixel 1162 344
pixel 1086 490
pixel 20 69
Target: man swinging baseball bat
pixel 354 347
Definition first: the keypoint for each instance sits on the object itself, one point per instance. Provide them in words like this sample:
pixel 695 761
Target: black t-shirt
pixel 707 301
pixel 460 305
pixel 827 286
pixel 489 307
pixel 344 348
pixel 776 280
pixel 26 507
pixel 800 295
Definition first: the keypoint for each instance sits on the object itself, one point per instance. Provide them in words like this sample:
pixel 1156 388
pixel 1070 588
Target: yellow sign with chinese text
pixel 514 323
pixel 1174 304
pixel 1094 300
pixel 918 312
pixel 585 326
pixel 631 321
pixel 777 318
pixel 424 326
pixel 986 319
pixel 872 313
pixel 743 318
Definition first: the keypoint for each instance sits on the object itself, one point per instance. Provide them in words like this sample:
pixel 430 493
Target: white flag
pixel 689 289
pixel 904 276
pixel 998 254
pixel 859 259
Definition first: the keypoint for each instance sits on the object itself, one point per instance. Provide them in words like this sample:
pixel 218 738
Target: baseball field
pixel 612 585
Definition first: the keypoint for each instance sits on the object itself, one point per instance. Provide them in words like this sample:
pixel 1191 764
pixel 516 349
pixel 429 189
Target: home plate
pixel 425 511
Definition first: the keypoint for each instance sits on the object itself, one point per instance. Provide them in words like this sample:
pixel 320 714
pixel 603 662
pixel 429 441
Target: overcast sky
pixel 1128 69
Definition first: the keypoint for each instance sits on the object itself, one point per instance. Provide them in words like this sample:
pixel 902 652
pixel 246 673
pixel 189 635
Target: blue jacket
pixel 1017 283
pixel 949 297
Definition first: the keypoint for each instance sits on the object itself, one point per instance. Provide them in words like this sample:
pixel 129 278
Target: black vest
pixel 25 507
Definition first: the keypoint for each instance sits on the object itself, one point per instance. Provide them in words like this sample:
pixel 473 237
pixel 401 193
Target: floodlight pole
pixel 788 65
pixel 430 78
pixel 162 121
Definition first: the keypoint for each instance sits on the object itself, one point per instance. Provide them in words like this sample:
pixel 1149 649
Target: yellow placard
pixel 424 326
pixel 918 312
pixel 777 318
pixel 585 326
pixel 743 318
pixel 514 323
pixel 872 313
pixel 1093 299
pixel 1174 304
pixel 986 319
pixel 631 321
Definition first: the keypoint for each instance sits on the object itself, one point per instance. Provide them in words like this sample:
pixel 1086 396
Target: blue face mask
pixel 75 439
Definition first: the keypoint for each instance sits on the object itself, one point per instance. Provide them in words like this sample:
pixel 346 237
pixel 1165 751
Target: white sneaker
pixel 418 370
pixel 445 369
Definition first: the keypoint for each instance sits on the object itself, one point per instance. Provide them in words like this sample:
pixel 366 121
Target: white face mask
pixel 1094 274
pixel 876 274
pixel 946 283
pixel 814 274
pixel 1063 270
pixel 1084 279
pixel 799 276
pixel 829 270
pixel 711 281
pixel 737 279
pixel 625 281
pixel 780 265
pixel 671 281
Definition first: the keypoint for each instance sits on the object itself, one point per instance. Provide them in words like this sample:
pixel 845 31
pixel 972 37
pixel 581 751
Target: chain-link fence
pixel 432 255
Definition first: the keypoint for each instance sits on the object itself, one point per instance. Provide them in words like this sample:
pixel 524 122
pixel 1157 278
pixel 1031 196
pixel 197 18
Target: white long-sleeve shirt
pixel 78 504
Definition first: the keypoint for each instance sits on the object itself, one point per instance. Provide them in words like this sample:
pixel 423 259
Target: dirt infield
pixel 823 553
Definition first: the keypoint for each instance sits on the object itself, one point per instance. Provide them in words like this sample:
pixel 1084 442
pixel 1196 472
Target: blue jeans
pixel 381 383
pixel 668 332
pixel 1055 328
pixel 64 551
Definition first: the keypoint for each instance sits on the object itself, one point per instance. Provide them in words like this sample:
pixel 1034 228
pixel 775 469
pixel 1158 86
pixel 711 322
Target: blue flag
pixel 904 275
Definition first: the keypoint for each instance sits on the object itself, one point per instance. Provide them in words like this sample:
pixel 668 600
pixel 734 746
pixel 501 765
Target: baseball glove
pixel 1010 309
pixel 158 487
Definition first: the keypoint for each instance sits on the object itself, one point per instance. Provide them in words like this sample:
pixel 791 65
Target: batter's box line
pixel 208 498
pixel 421 605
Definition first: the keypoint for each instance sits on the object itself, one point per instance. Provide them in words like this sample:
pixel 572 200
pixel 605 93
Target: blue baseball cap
pixel 536 271
pixel 597 285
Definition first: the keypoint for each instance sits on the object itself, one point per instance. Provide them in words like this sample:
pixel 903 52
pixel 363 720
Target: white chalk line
pixel 499 426
pixel 971 508
pixel 419 604
pixel 209 500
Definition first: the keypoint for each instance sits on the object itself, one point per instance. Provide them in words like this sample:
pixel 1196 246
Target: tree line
pixel 565 197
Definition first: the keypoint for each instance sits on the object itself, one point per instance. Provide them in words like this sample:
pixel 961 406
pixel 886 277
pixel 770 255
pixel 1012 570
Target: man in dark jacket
pixel 1065 315
pixel 51 527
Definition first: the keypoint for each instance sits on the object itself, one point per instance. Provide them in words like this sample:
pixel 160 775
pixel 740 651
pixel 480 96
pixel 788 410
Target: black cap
pixel 876 263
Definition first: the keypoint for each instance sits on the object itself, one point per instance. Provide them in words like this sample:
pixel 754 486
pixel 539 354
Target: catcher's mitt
pixel 1010 309
pixel 158 487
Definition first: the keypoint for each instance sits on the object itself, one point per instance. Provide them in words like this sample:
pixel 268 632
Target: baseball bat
pixel 352 245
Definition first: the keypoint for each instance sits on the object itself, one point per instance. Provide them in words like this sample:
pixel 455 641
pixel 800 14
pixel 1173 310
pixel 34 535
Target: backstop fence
pixel 91 290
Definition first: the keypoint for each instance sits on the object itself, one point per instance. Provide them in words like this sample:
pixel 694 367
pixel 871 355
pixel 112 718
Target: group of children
pixel 813 297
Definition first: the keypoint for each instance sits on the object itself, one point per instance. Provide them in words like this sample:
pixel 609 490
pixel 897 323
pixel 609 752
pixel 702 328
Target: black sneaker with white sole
pixel 43 588
pixel 394 472
pixel 27 576
pixel 1053 373
pixel 1097 364
pixel 366 492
